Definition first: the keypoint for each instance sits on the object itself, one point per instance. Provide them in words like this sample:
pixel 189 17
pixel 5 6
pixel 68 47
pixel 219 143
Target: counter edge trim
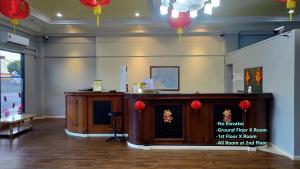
pixel 92 135
pixel 172 147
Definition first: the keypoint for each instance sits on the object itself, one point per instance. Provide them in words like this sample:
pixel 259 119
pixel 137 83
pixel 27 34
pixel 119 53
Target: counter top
pixel 86 93
pixel 175 95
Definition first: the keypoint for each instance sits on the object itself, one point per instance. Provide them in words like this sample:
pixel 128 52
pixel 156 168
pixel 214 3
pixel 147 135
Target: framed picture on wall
pixel 253 77
pixel 165 78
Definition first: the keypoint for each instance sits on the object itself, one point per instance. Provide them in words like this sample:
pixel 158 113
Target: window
pixel 12 83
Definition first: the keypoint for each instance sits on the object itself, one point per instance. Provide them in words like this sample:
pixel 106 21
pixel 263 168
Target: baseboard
pixel 93 135
pixel 277 150
pixel 172 147
pixel 49 117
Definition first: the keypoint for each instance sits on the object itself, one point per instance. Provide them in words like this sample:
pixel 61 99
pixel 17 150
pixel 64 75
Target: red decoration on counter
pixel 139 105
pixel 196 105
pixel 167 116
pixel 227 115
pixel 245 105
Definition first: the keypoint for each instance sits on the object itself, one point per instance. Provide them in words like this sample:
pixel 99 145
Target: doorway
pixel 12 83
pixel 229 78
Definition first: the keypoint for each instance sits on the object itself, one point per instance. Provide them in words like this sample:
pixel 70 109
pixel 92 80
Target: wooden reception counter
pixel 168 118
pixel 86 112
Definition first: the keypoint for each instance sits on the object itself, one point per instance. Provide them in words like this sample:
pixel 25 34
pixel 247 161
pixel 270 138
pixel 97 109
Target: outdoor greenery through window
pixel 11 84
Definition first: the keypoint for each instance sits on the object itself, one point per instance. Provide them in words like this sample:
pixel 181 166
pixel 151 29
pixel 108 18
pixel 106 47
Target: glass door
pixel 12 83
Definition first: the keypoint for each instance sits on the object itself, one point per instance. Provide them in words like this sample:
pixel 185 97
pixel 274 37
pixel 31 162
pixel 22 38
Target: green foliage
pixel 14 66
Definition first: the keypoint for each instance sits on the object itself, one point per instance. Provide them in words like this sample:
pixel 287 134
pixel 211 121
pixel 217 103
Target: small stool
pixel 114 116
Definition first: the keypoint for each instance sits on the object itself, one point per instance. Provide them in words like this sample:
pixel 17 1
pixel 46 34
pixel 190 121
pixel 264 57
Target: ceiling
pixel 119 18
pixel 73 9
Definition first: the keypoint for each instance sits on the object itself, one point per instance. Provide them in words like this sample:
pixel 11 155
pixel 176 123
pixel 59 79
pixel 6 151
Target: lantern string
pixel 180 38
pixel 291 5
pixel 98 21
pixel 179 33
pixel 14 22
pixel 97 12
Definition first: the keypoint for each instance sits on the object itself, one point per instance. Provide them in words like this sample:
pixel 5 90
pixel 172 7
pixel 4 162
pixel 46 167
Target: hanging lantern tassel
pixel 179 33
pixel 291 5
pixel 97 13
pixel 96 5
pixel 14 22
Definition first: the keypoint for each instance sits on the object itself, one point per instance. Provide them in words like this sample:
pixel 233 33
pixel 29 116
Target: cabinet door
pixel 98 108
pixel 76 114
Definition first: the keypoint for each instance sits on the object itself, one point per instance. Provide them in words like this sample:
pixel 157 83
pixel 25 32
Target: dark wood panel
pixel 196 123
pixel 125 115
pixel 136 125
pixel 80 111
pixel 76 114
pixel 116 106
pixel 151 128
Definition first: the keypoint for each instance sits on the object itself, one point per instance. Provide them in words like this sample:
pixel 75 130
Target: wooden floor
pixel 47 147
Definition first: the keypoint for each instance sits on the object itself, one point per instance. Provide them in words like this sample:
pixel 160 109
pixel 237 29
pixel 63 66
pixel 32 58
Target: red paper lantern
pixel 15 10
pixel 96 5
pixel 89 3
pixel 245 105
pixel 183 21
pixel 196 105
pixel 139 105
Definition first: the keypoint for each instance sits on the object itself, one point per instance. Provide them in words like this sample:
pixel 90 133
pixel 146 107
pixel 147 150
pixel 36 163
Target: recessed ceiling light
pixel 137 14
pixel 59 14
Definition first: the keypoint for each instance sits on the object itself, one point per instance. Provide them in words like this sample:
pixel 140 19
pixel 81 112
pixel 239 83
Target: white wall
pixel 297 95
pixel 201 60
pixel 68 64
pixel 31 92
pixel 276 56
